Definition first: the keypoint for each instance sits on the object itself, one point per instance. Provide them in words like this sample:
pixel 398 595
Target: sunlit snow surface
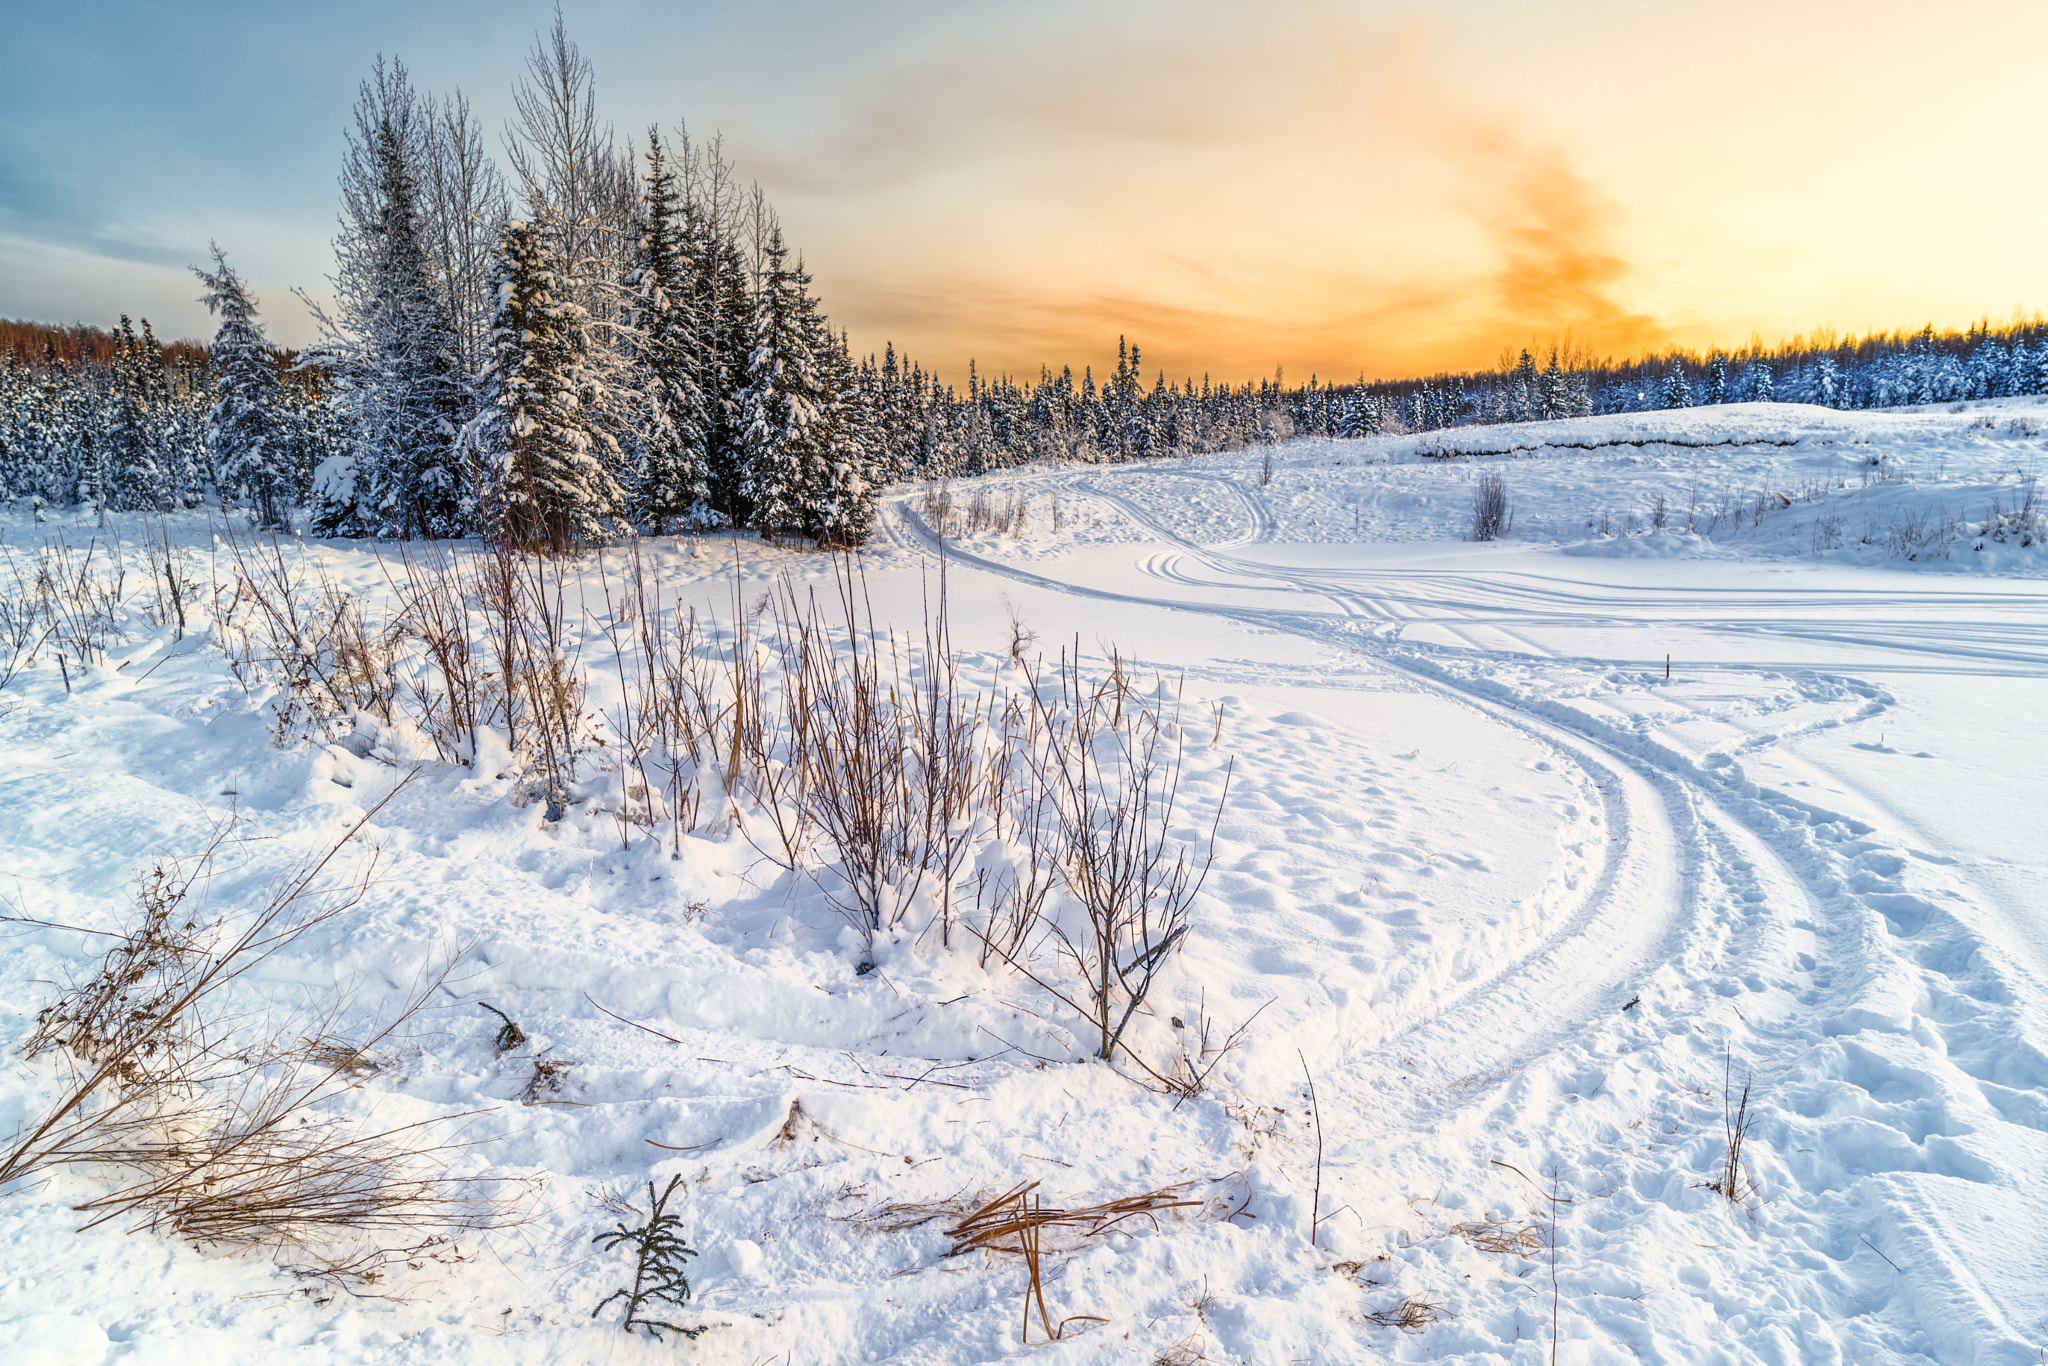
pixel 1470 819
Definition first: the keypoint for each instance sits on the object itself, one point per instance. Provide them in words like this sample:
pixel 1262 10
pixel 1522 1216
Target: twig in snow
pixel 1315 1113
pixel 1887 1261
pixel 635 1023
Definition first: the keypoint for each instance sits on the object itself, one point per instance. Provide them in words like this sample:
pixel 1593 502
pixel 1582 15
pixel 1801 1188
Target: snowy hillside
pixel 1502 917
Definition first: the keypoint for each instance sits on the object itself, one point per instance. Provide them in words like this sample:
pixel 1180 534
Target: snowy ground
pixel 1512 898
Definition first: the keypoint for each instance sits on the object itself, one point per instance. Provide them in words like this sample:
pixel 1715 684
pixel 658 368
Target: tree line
pixel 1880 370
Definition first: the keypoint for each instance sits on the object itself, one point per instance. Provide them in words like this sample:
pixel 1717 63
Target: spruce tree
pixel 1555 399
pixel 839 500
pixel 544 467
pixel 779 404
pixel 670 473
pixel 18 394
pixel 725 308
pixel 1676 392
pixel 1524 397
pixel 1761 385
pixel 412 358
pixel 1827 383
pixel 1718 388
pixel 249 432
pixel 392 343
pixel 136 479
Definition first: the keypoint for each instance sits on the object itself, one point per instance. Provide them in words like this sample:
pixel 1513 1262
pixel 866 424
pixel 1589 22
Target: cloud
pixel 1315 192
pixel 1555 232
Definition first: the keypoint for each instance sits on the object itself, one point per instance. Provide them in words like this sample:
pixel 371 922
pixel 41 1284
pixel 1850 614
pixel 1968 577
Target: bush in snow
pixel 1490 513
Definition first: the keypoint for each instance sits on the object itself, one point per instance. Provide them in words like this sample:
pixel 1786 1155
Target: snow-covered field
pixel 1522 908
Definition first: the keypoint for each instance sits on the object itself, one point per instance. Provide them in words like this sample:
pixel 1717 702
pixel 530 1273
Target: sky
pixel 1309 186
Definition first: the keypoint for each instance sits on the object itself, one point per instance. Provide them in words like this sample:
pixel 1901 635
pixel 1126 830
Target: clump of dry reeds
pixel 212 1123
pixel 548 1079
pixel 1502 1236
pixel 1019 1222
pixel 948 516
pixel 1106 766
pixel 23 624
pixel 308 635
pixel 1412 1315
pixel 1491 516
pixel 82 602
pixel 1036 808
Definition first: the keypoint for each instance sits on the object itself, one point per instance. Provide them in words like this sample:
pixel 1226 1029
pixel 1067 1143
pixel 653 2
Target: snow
pixel 1523 907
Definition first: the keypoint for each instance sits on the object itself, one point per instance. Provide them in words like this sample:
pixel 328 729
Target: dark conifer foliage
pixel 670 475
pixel 546 466
pixel 251 431
pixel 392 343
pixel 782 402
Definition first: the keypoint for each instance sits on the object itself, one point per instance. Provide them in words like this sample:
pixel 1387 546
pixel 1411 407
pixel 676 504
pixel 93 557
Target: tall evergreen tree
pixel 1524 396
pixel 391 345
pixel 1555 391
pixel 780 403
pixel 1827 383
pixel 249 433
pixel 670 470
pixel 839 500
pixel 547 471
pixel 725 308
pixel 1761 386
pixel 1676 391
pixel 1718 388
pixel 419 394
pixel 136 478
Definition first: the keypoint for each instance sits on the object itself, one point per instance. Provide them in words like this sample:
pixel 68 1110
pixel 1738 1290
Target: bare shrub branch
pixel 214 1124
pixel 1491 517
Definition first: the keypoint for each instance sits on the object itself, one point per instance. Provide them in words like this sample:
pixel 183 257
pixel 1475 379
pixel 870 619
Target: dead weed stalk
pixel 1017 1221
pixel 212 1123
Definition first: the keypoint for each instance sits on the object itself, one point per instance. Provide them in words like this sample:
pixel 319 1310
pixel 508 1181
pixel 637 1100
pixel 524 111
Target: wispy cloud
pixel 1238 206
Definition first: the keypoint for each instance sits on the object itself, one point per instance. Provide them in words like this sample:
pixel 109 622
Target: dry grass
pixel 1734 1181
pixel 949 516
pixel 1105 764
pixel 1491 516
pixel 1038 809
pixel 549 1076
pixel 307 634
pixel 23 624
pixel 508 1035
pixel 81 601
pixel 1017 1221
pixel 1492 1235
pixel 1411 1315
pixel 988 1224
pixel 214 1124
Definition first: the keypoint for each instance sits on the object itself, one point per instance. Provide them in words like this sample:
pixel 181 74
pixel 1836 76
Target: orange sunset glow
pixel 1346 188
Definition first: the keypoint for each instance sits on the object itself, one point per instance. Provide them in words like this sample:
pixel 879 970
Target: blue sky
pixel 1332 185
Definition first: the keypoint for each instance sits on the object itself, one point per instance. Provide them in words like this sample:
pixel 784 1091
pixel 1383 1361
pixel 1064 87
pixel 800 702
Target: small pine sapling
pixel 659 1253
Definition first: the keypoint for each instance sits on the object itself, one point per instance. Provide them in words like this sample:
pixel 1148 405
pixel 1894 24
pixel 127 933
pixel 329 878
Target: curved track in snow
pixel 1854 965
